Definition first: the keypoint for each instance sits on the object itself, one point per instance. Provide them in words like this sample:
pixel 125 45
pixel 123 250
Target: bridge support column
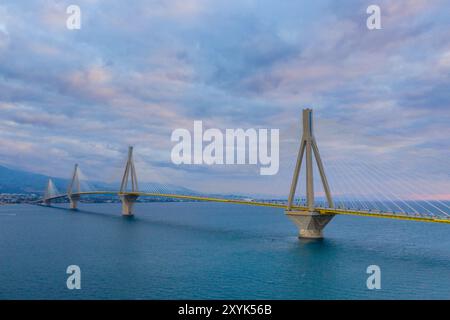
pixel 128 201
pixel 49 193
pixel 128 198
pixel 74 187
pixel 74 201
pixel 308 220
pixel 310 223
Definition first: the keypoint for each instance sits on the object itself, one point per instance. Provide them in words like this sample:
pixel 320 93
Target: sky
pixel 138 70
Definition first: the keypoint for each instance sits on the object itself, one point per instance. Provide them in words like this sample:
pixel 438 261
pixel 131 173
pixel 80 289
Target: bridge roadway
pixel 321 210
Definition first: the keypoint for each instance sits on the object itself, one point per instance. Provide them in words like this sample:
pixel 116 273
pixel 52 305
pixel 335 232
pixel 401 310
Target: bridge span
pixel 324 211
pixel 310 218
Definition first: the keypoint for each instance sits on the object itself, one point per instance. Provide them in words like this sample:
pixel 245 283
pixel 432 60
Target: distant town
pixel 9 198
pixel 17 198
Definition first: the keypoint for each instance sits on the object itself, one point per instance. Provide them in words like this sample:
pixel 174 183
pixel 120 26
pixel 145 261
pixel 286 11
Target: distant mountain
pixel 17 181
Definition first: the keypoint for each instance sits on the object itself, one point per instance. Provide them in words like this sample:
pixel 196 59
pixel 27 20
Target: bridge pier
pixel 310 223
pixel 73 199
pixel 308 220
pixel 128 201
pixel 129 198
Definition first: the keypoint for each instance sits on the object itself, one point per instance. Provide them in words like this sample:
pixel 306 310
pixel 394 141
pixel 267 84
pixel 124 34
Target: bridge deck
pixel 399 216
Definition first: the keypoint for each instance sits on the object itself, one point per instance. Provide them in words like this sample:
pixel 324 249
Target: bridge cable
pixel 362 187
pixel 405 187
pixel 423 181
pixel 342 182
pixel 365 183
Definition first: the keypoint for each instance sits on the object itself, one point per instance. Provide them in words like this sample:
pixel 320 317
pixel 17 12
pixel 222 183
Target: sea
pixel 199 250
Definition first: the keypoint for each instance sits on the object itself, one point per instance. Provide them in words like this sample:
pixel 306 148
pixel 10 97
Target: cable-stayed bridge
pixel 310 213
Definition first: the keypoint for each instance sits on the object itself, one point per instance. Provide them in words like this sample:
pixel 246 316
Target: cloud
pixel 138 70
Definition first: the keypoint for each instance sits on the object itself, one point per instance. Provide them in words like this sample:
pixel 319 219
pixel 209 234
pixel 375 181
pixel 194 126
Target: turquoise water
pixel 214 251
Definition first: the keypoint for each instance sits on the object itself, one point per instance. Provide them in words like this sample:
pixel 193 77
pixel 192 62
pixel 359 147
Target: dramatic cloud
pixel 137 70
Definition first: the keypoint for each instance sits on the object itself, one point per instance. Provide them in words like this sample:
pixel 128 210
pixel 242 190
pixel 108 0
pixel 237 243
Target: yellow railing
pixel 269 204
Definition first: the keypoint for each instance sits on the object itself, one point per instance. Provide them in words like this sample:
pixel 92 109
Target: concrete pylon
pixel 128 198
pixel 309 221
pixel 74 189
pixel 47 193
pixel 128 201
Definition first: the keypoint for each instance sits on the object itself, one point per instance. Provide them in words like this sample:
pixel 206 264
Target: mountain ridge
pixel 20 181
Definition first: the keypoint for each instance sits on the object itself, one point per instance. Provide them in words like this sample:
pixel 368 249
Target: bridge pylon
pixel 128 198
pixel 73 189
pixel 309 221
pixel 48 193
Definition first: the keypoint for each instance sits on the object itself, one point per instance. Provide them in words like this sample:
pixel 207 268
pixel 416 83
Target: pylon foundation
pixel 74 202
pixel 128 204
pixel 310 223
